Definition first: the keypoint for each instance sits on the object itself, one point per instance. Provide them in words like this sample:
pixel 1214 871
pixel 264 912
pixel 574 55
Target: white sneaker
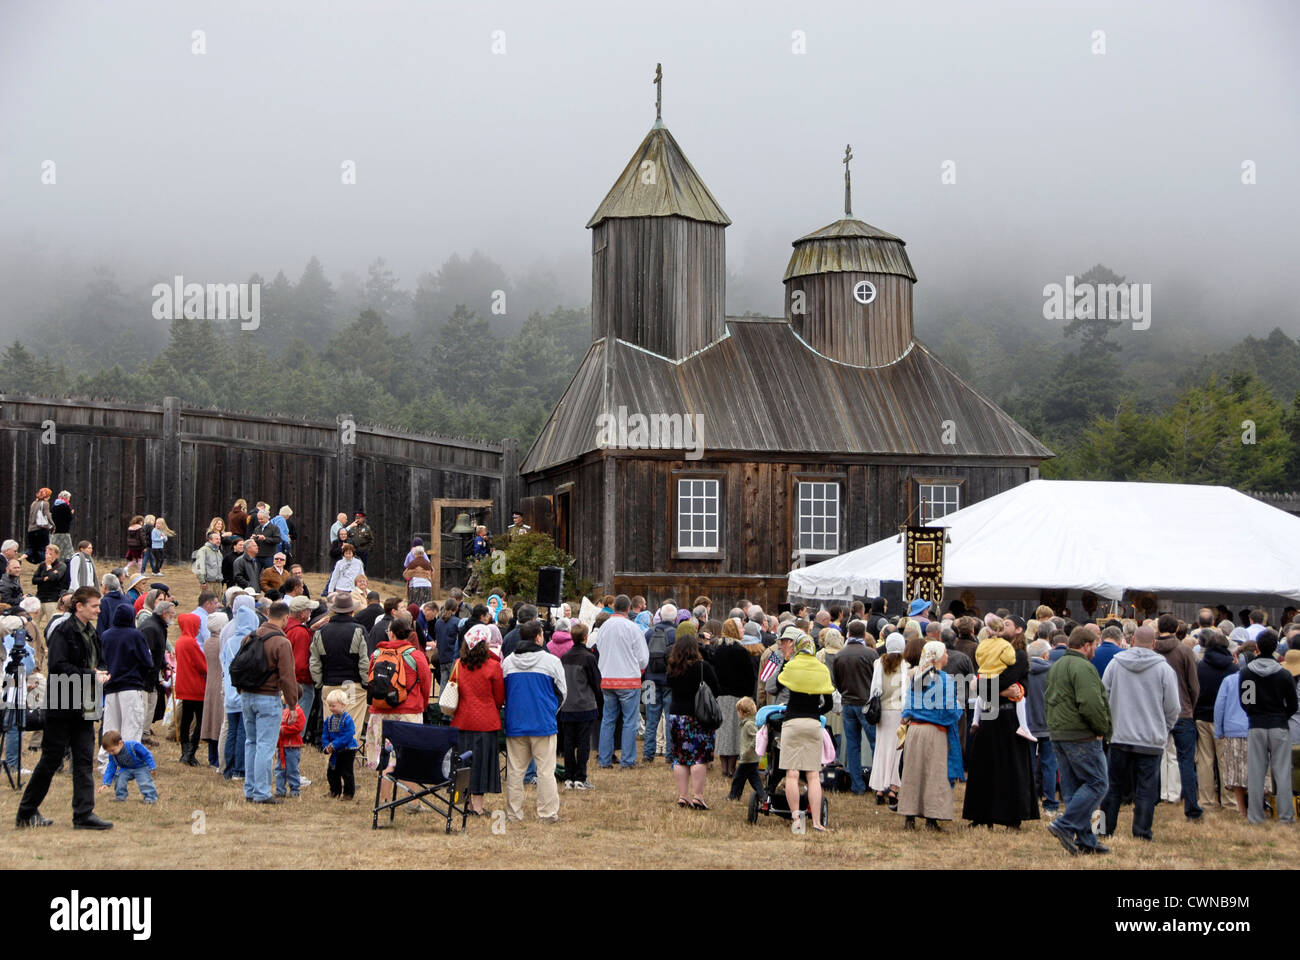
pixel 568 784
pixel 303 781
pixel 583 785
pixel 26 772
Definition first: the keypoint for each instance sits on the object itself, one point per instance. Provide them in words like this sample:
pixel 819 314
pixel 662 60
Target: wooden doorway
pixel 564 517
pixel 452 567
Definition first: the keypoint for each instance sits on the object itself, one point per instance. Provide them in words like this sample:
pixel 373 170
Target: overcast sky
pixel 219 164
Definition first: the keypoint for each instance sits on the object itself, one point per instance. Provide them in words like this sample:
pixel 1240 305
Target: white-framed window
pixel 819 517
pixel 938 500
pixel 697 515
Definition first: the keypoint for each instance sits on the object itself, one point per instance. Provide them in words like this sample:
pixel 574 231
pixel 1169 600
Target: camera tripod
pixel 14 712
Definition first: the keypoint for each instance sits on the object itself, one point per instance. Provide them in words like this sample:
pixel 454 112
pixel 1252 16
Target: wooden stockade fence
pixel 191 464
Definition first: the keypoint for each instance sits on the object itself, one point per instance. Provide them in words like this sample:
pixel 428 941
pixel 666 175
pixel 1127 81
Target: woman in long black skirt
pixel 1000 777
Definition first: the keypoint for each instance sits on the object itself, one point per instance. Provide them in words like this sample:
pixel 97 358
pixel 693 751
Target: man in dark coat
pixel 129 662
pixel 154 629
pixel 71 708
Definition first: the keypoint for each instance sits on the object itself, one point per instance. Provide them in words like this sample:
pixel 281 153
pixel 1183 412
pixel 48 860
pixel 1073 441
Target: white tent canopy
pixel 1181 541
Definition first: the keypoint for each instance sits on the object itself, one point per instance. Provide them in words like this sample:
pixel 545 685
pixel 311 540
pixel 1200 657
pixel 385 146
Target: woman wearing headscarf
pixel 932 712
pixel 888 681
pixel 809 683
pixel 39 526
pixel 737 674
pixel 419 575
pixel 482 694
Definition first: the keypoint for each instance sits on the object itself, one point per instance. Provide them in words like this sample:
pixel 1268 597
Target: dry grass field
pixel 630 820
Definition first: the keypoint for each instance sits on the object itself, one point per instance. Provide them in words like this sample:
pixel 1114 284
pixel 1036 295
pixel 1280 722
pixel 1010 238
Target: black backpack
pixel 248 669
pixel 659 649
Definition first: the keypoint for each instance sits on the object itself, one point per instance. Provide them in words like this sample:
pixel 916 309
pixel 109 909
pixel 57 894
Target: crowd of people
pixel 1047 716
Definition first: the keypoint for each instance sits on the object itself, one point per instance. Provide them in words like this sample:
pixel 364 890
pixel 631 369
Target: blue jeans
pixel 306 697
pixel 13 740
pixel 627 703
pixel 234 765
pixel 854 725
pixel 261 731
pixel 1045 767
pixel 1084 778
pixel 289 771
pixel 658 699
pixel 1185 743
pixel 140 775
pixel 1146 788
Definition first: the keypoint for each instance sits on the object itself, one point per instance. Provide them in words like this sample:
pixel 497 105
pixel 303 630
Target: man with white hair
pixel 655 692
pixel 9 550
pixel 112 597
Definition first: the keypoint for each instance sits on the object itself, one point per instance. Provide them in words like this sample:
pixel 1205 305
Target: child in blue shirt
pixel 158 538
pixel 128 760
pixel 338 738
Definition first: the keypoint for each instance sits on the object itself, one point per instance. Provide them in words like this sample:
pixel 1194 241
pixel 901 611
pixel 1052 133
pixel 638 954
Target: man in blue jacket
pixel 535 688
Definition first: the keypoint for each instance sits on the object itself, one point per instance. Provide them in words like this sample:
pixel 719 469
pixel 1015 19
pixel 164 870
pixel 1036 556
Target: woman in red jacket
pixel 191 686
pixel 482 692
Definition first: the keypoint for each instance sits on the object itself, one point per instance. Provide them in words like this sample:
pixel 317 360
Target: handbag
pixel 871 713
pixel 449 699
pixel 707 710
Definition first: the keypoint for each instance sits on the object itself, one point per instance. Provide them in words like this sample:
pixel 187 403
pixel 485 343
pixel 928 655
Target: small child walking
pixel 338 739
pixel 158 538
pixel 292 724
pixel 128 760
pixel 747 762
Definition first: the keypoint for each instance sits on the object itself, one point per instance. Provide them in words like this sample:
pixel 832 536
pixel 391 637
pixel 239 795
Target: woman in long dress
pixel 1000 773
pixel 888 681
pixel 932 712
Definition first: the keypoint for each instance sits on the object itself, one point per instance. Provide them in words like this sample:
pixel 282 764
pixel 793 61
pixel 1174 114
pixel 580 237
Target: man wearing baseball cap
pixel 300 637
pixel 361 537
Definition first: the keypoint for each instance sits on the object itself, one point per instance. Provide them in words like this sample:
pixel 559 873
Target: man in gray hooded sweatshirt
pixel 1268 695
pixel 1143 692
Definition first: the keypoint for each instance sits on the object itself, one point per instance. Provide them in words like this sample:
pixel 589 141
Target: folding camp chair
pixel 428 757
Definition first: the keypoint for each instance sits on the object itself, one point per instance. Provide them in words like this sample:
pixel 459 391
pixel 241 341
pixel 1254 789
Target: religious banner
pixel 923 563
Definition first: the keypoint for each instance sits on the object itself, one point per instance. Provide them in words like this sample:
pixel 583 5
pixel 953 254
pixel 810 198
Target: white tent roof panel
pixel 1173 539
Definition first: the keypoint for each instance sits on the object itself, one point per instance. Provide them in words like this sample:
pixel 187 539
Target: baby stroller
pixel 776 803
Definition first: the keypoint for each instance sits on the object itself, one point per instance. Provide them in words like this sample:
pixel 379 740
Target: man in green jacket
pixel 1078 719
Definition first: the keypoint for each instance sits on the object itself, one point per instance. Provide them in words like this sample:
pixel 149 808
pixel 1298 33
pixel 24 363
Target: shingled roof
pixel 761 388
pixel 849 245
pixel 676 190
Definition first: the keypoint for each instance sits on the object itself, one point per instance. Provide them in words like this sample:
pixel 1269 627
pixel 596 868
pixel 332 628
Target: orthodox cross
pixel 848 205
pixel 658 93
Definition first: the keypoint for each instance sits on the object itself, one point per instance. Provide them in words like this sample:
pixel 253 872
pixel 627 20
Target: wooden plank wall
pixel 758 504
pixel 835 324
pixel 191 465
pixel 659 282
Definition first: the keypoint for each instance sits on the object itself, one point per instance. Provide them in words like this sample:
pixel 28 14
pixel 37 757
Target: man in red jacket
pixel 419 681
pixel 300 637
